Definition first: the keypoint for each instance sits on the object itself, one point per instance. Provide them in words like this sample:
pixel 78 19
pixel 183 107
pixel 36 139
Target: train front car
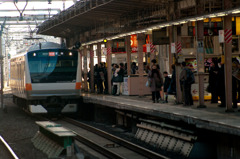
pixel 53 83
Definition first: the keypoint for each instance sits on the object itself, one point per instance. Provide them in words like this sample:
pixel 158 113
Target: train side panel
pixel 18 77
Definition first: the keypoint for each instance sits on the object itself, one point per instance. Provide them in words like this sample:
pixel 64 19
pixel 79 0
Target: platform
pixel 212 117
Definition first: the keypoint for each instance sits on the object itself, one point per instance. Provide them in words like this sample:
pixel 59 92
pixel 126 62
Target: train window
pixel 46 68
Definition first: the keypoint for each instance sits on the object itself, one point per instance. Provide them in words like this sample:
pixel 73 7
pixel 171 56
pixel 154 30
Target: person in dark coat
pixel 156 80
pixel 166 85
pixel 185 86
pixel 172 87
pixel 212 88
pixel 99 79
pixel 105 78
pixel 235 82
pixel 221 84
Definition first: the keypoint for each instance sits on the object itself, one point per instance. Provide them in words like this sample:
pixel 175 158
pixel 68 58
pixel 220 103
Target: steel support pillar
pixel 85 69
pixel 91 69
pixel 141 41
pixel 227 24
pixel 109 66
pixel 228 66
pixel 2 73
pixel 80 53
pixel 170 55
pixel 128 50
pixel 179 96
pixel 99 56
pixel 200 62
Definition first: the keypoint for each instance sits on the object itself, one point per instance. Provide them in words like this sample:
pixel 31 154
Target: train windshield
pixel 53 66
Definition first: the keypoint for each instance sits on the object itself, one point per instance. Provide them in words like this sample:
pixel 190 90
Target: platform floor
pixel 212 117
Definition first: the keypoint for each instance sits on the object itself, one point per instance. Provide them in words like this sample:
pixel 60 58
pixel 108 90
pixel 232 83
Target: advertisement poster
pixel 125 86
pixel 195 92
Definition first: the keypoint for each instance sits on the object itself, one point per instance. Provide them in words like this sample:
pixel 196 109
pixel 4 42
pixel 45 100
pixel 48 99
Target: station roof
pixel 84 15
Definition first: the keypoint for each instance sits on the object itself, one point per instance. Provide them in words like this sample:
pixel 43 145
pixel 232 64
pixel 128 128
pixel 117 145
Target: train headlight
pixel 70 54
pixel 34 54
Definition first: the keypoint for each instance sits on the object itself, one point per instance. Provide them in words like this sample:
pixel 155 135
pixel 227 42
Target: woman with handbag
pixel 118 79
pixel 156 82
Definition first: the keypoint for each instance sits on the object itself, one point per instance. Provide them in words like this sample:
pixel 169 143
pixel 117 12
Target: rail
pixel 8 147
pixel 138 149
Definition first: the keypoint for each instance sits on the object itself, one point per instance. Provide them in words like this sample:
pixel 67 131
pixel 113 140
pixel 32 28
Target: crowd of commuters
pixel 118 72
pixel 217 82
pixel 157 81
pixel 162 82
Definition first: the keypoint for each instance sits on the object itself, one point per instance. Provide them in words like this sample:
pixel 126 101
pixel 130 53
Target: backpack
pixel 190 77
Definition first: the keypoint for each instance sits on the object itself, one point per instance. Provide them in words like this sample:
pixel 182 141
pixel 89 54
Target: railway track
pixel 6 151
pixel 111 146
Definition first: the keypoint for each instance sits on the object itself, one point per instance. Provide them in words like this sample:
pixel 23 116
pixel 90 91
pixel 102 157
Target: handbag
pixel 148 83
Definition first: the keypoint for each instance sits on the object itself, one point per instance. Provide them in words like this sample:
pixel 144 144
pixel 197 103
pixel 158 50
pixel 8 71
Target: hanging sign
pixel 173 46
pixel 104 51
pixel 148 47
pixel 221 36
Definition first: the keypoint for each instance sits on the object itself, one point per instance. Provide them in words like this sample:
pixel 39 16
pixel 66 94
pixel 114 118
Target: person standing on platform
pixel 172 88
pixel 117 80
pixel 105 78
pixel 221 84
pixel 186 83
pixel 235 82
pixel 134 68
pixel 156 81
pixel 121 75
pixel 100 79
pixel 166 85
pixel 212 88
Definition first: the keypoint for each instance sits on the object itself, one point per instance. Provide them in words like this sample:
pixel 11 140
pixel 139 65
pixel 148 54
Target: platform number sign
pixel 173 48
pixel 221 36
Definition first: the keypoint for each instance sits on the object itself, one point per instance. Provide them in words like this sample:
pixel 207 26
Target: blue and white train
pixel 46 79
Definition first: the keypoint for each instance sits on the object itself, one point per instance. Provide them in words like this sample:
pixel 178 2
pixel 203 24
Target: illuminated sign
pixel 51 54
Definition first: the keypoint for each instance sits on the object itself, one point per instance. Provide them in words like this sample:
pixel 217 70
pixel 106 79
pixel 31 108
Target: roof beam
pixel 31 10
pixel 3 1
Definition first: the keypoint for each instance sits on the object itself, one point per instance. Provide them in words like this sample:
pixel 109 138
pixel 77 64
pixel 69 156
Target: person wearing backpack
pixel 186 80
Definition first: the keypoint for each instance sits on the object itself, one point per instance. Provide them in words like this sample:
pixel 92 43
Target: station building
pixel 114 31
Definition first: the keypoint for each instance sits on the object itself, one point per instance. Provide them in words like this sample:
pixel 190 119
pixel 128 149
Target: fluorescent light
pixel 221 14
pixel 235 11
pixel 200 18
pixel 182 22
pixel 192 20
pixel 212 16
pixel 176 23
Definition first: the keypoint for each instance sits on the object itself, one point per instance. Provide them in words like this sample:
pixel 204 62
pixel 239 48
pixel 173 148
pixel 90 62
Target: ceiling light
pixel 182 22
pixel 212 16
pixel 200 18
pixel 235 11
pixel 221 14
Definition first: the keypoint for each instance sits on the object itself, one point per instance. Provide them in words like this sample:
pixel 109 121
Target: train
pixel 46 79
